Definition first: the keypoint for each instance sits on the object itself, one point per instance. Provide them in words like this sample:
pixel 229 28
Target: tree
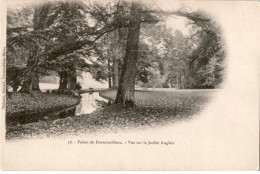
pixel 125 94
pixel 68 24
pixel 159 43
pixel 93 37
pixel 113 49
pixel 176 62
pixel 205 63
pixel 72 34
pixel 138 15
pixel 39 24
pixel 117 52
pixel 197 61
pixel 21 40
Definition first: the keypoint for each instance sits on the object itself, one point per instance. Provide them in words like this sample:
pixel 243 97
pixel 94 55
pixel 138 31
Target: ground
pixel 37 102
pixel 153 108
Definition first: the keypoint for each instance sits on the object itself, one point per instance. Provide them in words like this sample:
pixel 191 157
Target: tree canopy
pixel 122 42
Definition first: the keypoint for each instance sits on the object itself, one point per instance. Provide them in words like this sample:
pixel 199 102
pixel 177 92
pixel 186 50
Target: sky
pixel 178 23
pixel 175 22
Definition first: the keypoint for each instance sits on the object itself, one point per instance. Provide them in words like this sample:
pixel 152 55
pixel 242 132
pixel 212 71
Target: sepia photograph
pixel 159 85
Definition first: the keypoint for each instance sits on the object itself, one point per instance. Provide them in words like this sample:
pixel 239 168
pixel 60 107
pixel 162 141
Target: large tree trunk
pixel 72 80
pixel 125 93
pixel 63 80
pixel 35 83
pixel 118 54
pixel 69 82
pixel 15 87
pixel 27 85
pixel 115 72
pixel 31 83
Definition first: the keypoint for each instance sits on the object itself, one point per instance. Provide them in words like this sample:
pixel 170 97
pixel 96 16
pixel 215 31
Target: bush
pixel 54 92
pixel 60 91
pixel 68 92
pixel 48 91
pixel 165 85
pixel 78 86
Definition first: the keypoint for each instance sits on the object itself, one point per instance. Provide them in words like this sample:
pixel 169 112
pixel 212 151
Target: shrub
pixel 61 91
pixel 78 86
pixel 54 91
pixel 165 85
pixel 48 91
pixel 68 92
pixel 71 93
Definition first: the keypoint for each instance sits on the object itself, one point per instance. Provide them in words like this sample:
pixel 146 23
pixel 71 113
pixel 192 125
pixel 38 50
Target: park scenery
pixel 84 67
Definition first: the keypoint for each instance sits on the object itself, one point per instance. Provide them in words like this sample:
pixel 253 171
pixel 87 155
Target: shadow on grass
pixel 152 109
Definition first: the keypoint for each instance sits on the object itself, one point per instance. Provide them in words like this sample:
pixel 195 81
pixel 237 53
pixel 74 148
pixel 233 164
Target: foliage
pixel 155 44
pixel 196 60
pixel 206 67
pixel 18 25
pixel 82 36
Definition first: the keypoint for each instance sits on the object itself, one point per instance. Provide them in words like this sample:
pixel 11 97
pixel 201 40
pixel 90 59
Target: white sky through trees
pixel 178 23
pixel 172 21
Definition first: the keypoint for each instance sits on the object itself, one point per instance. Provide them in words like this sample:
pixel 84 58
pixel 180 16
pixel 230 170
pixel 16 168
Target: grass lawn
pixel 156 108
pixel 183 100
pixel 36 102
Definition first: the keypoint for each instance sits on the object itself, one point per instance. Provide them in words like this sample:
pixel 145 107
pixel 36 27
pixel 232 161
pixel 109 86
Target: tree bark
pixel 63 80
pixel 72 80
pixel 15 87
pixel 31 82
pixel 69 82
pixel 118 54
pixel 35 83
pixel 115 72
pixel 27 86
pixel 125 93
pixel 27 83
